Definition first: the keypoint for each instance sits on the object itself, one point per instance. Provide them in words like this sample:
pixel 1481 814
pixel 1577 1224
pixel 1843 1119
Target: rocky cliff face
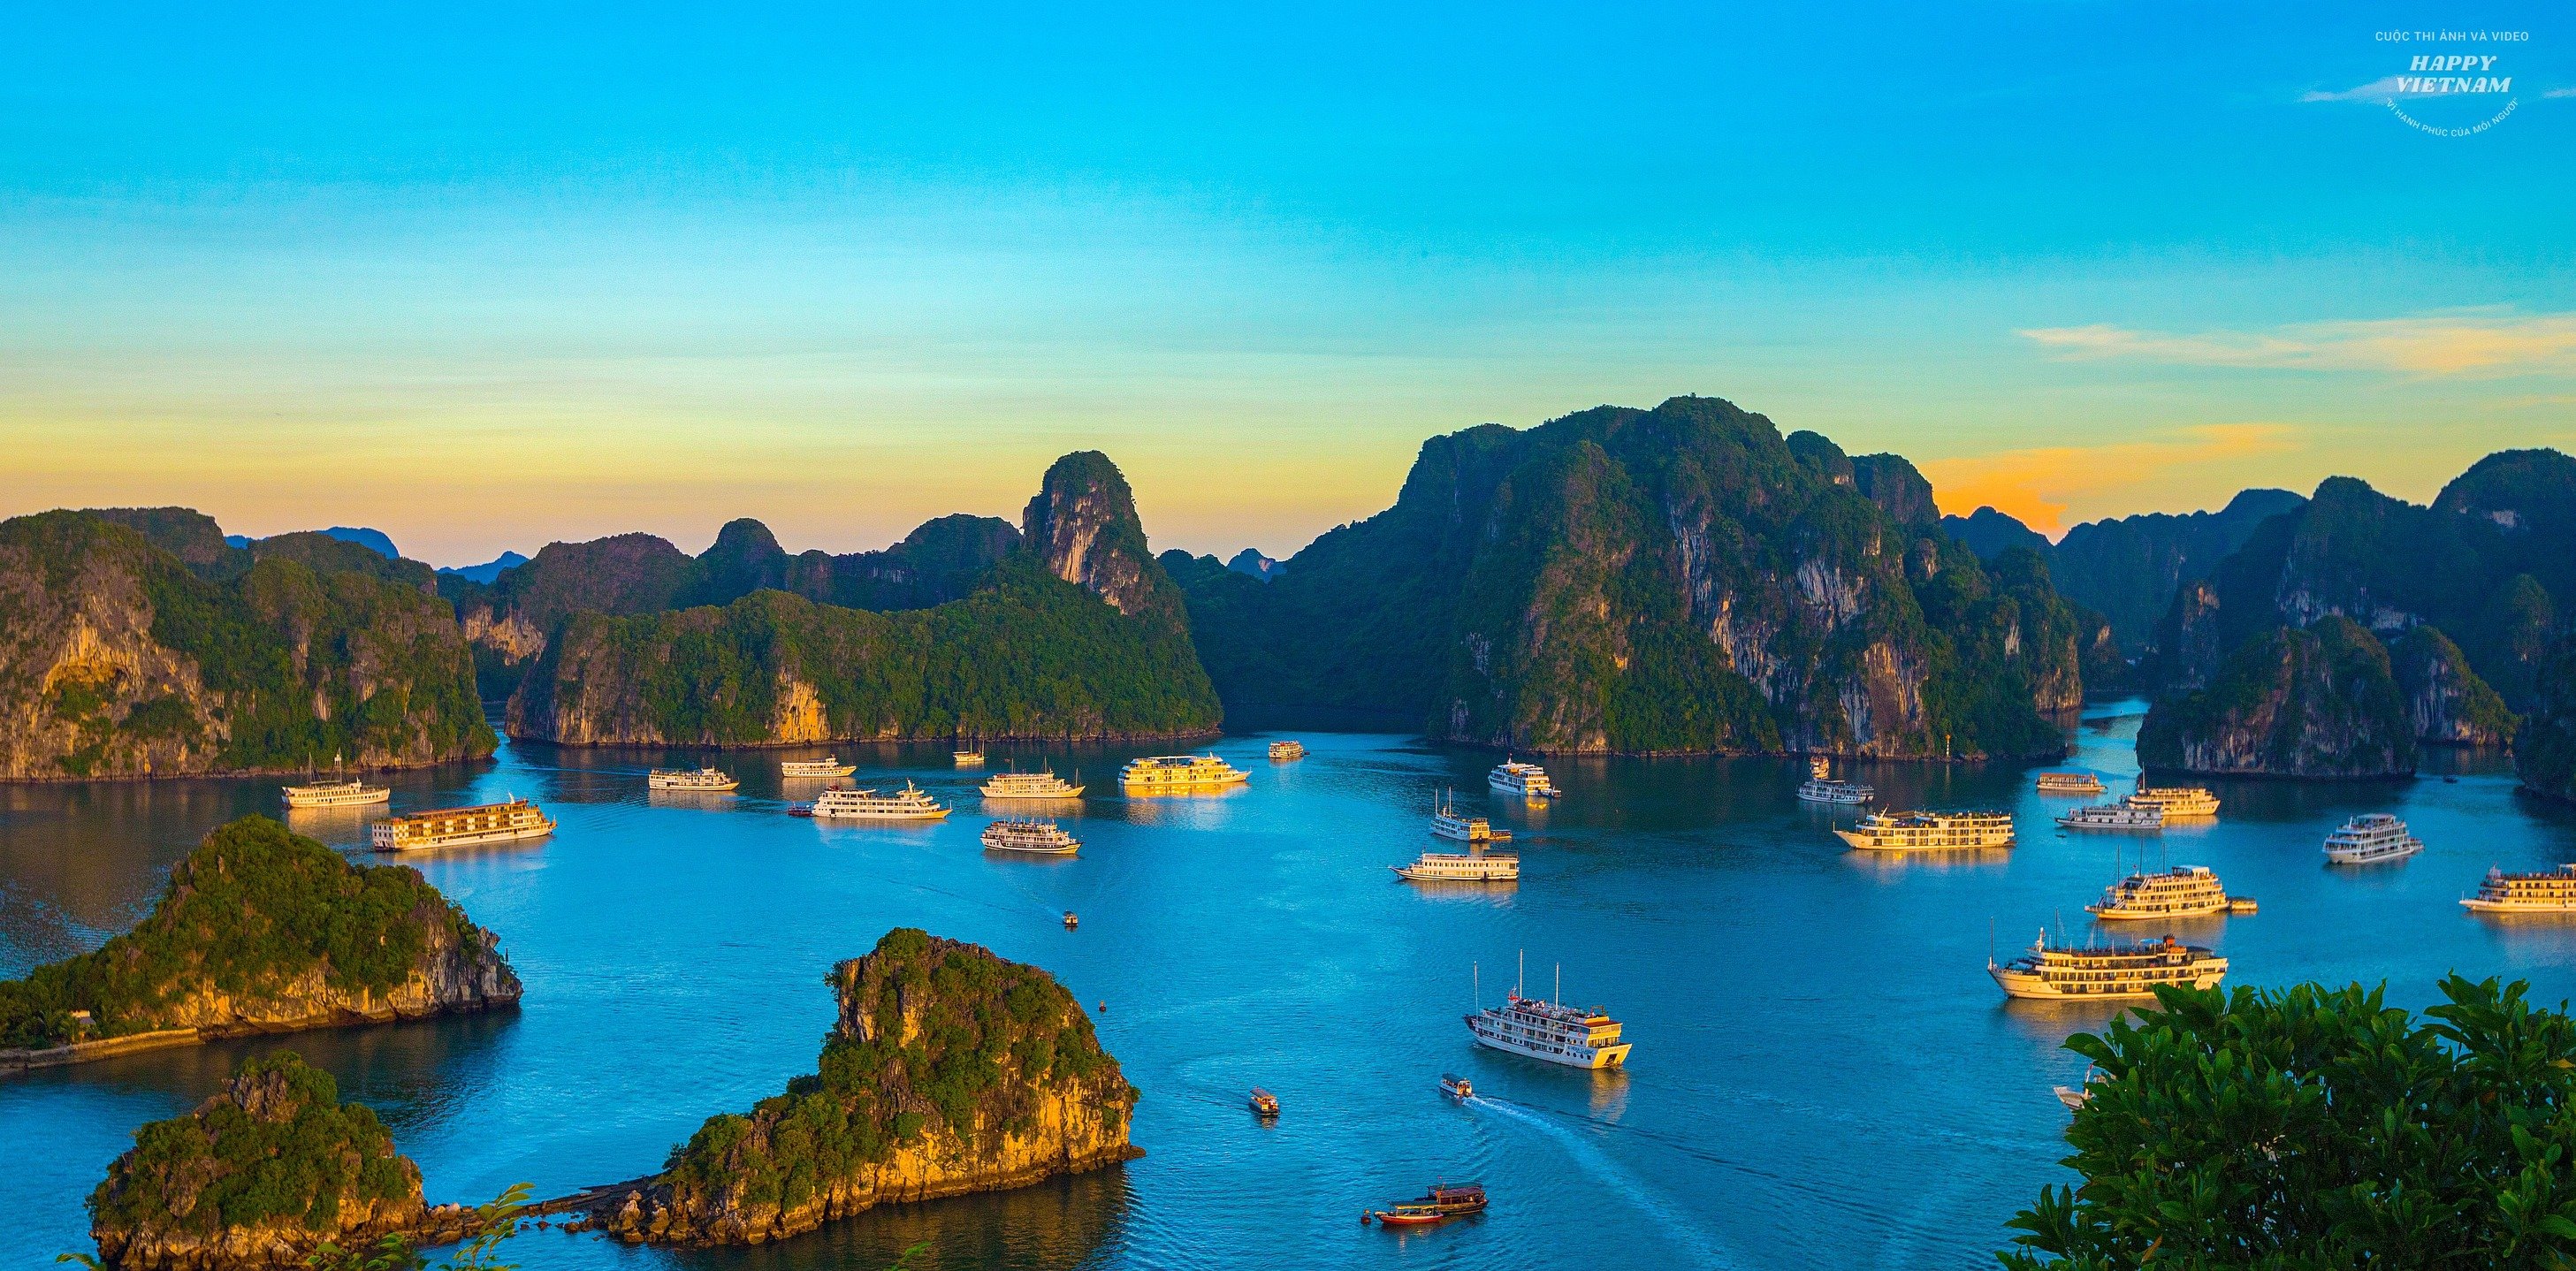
pixel 1083 526
pixel 510 620
pixel 949 1071
pixel 1683 579
pixel 1033 651
pixel 2446 702
pixel 261 930
pixel 2315 703
pixel 260 1176
pixel 117 659
pixel 2544 748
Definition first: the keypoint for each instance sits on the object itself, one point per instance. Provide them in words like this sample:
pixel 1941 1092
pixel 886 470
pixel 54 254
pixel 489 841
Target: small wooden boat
pixel 968 758
pixel 1071 922
pixel 1264 1103
pixel 801 809
pixel 1465 1198
pixel 1406 1215
pixel 2241 905
pixel 1457 1087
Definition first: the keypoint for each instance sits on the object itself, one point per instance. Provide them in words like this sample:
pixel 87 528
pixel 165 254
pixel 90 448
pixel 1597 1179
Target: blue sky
pixel 556 272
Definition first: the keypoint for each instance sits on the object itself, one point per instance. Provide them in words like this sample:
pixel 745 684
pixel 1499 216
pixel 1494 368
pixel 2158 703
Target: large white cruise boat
pixel 708 779
pixel 1030 785
pixel 2098 972
pixel 806 769
pixel 2114 816
pixel 2178 802
pixel 1930 831
pixel 1038 838
pixel 867 805
pixel 1448 823
pixel 508 822
pixel 335 794
pixel 1179 774
pixel 1820 787
pixel 1521 780
pixel 1461 867
pixel 2077 783
pixel 1577 1037
pixel 2185 891
pixel 2371 838
pixel 2551 891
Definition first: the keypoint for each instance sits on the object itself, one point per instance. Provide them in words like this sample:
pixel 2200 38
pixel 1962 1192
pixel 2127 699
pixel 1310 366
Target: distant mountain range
pixel 1675 580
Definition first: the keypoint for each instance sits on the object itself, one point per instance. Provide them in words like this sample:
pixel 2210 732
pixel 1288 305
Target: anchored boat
pixel 1037 838
pixel 1930 831
pixel 2371 838
pixel 1030 785
pixel 1179 774
pixel 1521 780
pixel 2080 783
pixel 707 779
pixel 2185 891
pixel 1287 750
pixel 1460 867
pixel 1448 824
pixel 335 794
pixel 2103 972
pixel 827 766
pixel 2546 892
pixel 2178 802
pixel 1820 787
pixel 2114 816
pixel 508 822
pixel 911 804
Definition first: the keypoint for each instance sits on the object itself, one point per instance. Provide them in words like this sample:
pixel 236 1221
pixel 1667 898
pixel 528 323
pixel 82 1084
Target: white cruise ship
pixel 1820 787
pixel 2185 891
pixel 2178 802
pixel 1039 838
pixel 867 805
pixel 2099 972
pixel 1449 824
pixel 2080 783
pixel 1030 785
pixel 1461 867
pixel 1574 1036
pixel 1521 780
pixel 1179 774
pixel 508 822
pixel 2114 816
pixel 804 769
pixel 2550 891
pixel 1930 831
pixel 2371 838
pixel 335 794
pixel 708 779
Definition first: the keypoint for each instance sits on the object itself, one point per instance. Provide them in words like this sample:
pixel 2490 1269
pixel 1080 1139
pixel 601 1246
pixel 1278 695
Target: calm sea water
pixel 1823 1073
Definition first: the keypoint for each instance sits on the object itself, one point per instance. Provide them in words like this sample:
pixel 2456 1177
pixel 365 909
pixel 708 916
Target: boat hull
pixel 2030 987
pixel 2334 857
pixel 484 838
pixel 368 799
pixel 1597 1059
pixel 2482 905
pixel 2109 914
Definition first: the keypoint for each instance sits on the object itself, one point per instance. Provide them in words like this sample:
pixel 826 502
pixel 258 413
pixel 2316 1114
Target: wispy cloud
pixel 2560 92
pixel 2039 485
pixel 2452 344
pixel 2374 92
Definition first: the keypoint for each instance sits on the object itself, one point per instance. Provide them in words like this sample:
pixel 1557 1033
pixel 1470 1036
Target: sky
pixel 488 277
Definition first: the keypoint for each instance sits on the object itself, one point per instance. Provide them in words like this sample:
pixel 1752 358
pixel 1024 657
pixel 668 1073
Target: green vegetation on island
pixel 2307 1127
pixel 2320 702
pixel 118 658
pixel 1684 579
pixel 1074 633
pixel 262 927
pixel 950 1070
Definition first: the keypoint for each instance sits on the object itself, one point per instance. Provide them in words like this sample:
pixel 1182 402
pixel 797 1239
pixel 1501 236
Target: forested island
pixel 261 930
pixel 950 1070
pixel 137 642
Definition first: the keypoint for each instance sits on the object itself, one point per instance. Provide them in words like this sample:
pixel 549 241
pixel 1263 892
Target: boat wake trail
pixel 1671 1223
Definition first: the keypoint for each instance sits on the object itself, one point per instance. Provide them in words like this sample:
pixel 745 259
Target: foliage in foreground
pixel 2320 1128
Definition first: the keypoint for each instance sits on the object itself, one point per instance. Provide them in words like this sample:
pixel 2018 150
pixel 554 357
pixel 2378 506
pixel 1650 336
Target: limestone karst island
pixel 719 639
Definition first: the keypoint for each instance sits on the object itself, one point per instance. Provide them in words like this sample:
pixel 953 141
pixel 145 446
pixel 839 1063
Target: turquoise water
pixel 1823 1073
